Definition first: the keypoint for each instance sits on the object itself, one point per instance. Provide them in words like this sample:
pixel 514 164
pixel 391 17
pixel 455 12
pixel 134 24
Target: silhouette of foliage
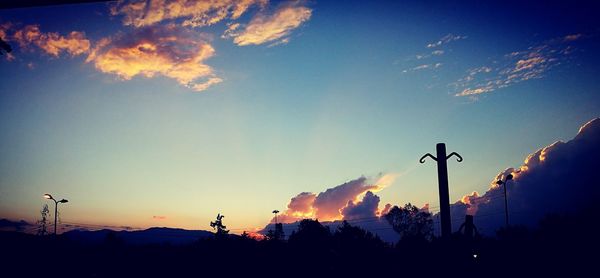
pixel 42 229
pixel 310 233
pixel 347 235
pixel 218 224
pixel 560 244
pixel 410 222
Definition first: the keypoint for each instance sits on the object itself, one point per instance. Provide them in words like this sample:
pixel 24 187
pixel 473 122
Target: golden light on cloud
pixel 385 181
pixel 140 13
pixel 350 199
pixel 75 43
pixel 169 51
pixel 270 28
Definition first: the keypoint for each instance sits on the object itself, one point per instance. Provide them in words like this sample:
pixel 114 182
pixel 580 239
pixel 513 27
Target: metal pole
pixel 55 214
pixel 443 188
pixel 442 167
pixel 506 201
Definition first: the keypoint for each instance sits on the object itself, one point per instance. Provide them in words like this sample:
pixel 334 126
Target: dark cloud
pixel 559 178
pixel 367 208
pixel 329 203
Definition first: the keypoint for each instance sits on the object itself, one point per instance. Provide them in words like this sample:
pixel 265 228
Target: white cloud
pixel 423 67
pixel 446 39
pixel 515 67
pixel 265 28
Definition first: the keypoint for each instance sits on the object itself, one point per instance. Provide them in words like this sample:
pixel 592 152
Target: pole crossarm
pixel 422 160
pixel 458 157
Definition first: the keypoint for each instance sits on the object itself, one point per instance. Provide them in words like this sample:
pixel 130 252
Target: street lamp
pixel 275 212
pixel 500 182
pixel 49 197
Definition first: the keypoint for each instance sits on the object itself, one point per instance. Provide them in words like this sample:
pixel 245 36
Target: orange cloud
pixel 169 50
pixel 269 28
pixel 351 198
pixel 4 27
pixel 139 13
pixel 52 43
pixel 159 217
pixel 255 235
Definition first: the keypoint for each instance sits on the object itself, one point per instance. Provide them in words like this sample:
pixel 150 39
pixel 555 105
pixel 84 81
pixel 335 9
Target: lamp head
pixel 275 211
pixel 499 182
pixel 509 177
pixel 48 196
pixel 63 201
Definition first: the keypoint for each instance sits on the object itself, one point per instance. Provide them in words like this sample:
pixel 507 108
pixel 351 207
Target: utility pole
pixel 504 184
pixel 442 168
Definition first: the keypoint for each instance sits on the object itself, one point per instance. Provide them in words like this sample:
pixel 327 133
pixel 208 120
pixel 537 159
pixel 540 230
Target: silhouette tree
pixel 348 236
pixel 43 223
pixel 245 235
pixel 410 222
pixel 310 233
pixel 218 224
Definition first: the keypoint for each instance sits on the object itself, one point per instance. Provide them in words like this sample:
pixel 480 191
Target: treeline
pixel 561 244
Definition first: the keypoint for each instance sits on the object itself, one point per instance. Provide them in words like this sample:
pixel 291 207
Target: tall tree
pixel 43 222
pixel 410 222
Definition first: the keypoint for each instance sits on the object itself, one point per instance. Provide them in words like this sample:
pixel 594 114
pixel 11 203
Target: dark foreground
pixel 560 246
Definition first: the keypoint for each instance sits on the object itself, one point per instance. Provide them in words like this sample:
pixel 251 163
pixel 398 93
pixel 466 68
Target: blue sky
pixel 340 95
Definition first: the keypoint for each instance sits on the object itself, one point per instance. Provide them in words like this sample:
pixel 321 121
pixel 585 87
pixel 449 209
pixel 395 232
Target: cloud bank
pixel 559 178
pixel 340 202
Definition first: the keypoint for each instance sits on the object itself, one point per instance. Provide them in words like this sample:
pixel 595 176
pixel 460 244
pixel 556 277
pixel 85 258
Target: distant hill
pixel 13 226
pixel 142 237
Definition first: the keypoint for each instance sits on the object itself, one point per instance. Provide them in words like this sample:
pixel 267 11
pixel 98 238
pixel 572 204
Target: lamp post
pixel 500 182
pixel 275 212
pixel 49 197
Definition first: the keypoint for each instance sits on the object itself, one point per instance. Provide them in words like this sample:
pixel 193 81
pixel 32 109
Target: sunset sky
pixel 165 113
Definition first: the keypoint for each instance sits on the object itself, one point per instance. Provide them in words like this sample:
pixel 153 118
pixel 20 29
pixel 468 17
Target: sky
pixel 165 113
